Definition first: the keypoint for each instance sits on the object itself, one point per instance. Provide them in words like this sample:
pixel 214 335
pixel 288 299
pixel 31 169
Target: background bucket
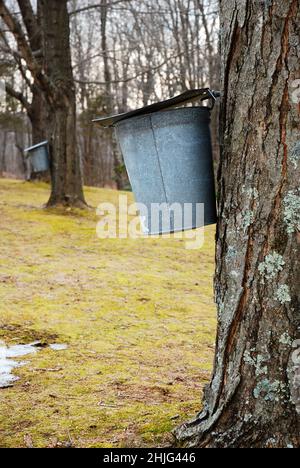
pixel 39 157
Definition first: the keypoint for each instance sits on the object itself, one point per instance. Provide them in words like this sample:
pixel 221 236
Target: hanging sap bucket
pixel 39 157
pixel 168 156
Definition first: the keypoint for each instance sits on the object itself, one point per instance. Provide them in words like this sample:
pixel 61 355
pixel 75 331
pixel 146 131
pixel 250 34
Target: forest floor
pixel 137 316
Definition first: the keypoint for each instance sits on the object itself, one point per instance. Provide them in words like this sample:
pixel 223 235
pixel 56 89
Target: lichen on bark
pixel 291 205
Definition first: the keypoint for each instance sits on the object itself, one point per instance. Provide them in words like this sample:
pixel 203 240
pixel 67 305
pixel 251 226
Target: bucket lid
pixel 188 96
pixel 39 145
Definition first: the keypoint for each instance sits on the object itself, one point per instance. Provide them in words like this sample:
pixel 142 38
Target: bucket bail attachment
pixel 214 96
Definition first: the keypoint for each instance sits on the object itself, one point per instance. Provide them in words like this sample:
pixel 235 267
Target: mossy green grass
pixel 138 317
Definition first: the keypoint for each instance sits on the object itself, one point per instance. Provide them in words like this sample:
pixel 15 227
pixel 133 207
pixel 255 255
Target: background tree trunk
pixel 66 168
pixel 38 117
pixel 37 111
pixel 253 399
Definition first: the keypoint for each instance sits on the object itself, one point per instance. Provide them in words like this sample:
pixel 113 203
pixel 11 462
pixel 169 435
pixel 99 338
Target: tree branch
pixel 17 95
pixel 17 58
pixel 31 24
pixel 92 7
pixel 24 47
pixel 141 73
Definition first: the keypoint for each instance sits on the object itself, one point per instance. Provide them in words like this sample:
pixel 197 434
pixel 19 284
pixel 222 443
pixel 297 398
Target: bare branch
pixel 98 5
pixel 23 46
pixel 141 73
pixel 30 23
pixel 17 58
pixel 17 95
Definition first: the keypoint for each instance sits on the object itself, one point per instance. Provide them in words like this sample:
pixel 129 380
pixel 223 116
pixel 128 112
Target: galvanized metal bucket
pixel 39 157
pixel 168 156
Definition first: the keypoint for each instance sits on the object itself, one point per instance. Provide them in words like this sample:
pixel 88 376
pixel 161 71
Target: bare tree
pixel 54 77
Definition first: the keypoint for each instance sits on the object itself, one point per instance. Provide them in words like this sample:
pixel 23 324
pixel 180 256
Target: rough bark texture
pixel 39 120
pixel 66 168
pixel 254 398
pixel 38 117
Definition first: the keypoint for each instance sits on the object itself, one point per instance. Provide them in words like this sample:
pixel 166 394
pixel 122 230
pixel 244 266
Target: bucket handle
pixel 187 96
pixel 214 95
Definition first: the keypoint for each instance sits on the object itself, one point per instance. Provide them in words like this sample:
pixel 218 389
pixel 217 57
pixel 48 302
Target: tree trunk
pixel 66 168
pixel 38 117
pixel 37 110
pixel 254 397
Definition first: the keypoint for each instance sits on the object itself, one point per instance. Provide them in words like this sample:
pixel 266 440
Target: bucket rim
pixel 39 145
pixel 164 111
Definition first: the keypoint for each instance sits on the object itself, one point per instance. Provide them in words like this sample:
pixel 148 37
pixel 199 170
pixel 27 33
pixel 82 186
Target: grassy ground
pixel 137 315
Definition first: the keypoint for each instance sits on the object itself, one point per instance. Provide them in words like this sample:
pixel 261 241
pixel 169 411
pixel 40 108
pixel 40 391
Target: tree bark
pixel 37 111
pixel 254 396
pixel 66 168
pixel 39 118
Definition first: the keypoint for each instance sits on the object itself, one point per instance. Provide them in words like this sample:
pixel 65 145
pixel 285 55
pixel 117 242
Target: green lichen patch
pixel 285 339
pixel 295 155
pixel 291 214
pixel 251 192
pixel 283 294
pixel 232 253
pixel 247 219
pixel 270 391
pixel 258 362
pixel 272 265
